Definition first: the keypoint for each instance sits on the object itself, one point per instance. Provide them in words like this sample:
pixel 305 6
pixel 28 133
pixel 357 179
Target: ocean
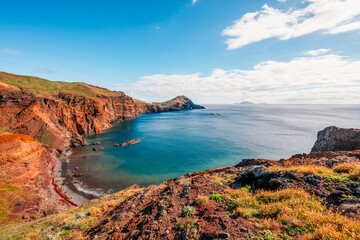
pixel 175 143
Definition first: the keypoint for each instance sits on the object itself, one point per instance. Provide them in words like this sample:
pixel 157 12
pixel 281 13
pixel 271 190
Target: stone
pixel 254 172
pixel 223 235
pixel 337 139
pixel 98 148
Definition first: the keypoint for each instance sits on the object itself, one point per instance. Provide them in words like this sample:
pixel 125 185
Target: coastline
pixel 67 187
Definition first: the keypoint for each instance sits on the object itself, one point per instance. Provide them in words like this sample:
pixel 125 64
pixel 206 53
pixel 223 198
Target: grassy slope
pixel 282 214
pixel 67 225
pixel 46 88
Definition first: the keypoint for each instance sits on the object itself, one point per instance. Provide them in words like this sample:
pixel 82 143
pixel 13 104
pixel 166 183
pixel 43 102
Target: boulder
pixel 255 172
pixel 337 139
pixel 98 148
pixel 254 162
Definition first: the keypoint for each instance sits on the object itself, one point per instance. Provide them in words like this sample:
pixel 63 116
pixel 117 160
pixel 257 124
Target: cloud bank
pixel 327 16
pixel 314 78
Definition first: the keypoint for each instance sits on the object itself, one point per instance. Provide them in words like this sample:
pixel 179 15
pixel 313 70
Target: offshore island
pixel 307 196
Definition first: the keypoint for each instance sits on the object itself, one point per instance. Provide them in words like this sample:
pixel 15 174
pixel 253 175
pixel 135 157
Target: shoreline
pixel 64 186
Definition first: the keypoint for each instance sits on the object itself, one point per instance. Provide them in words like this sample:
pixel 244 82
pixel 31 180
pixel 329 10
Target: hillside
pixel 308 196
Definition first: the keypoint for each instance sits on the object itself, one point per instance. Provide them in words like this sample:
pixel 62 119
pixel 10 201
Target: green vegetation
pixel 46 88
pixel 344 173
pixel 189 211
pixel 216 197
pixel 8 196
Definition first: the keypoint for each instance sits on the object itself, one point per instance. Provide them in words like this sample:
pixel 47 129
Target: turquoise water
pixel 176 143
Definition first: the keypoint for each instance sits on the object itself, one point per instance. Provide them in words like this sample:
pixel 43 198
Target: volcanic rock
pixel 337 139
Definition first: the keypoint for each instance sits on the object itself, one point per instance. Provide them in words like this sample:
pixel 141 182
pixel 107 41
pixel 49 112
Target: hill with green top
pixel 46 88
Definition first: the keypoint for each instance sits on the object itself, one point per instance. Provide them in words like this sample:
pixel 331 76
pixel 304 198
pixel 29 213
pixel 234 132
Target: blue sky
pixel 215 51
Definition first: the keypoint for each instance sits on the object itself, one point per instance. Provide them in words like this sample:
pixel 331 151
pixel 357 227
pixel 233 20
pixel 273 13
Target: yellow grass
pixel 293 212
pixel 201 200
pixel 67 225
pixel 309 169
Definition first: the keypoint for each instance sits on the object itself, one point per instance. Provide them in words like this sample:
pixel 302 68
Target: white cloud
pixel 317 52
pixel 311 79
pixel 194 1
pixel 282 0
pixel 44 70
pixel 12 52
pixel 328 16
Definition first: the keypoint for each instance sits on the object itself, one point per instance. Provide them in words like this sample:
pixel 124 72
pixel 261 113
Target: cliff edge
pixel 337 139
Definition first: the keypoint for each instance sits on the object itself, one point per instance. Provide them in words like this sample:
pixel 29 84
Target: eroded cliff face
pixel 59 114
pixel 25 182
pixel 61 122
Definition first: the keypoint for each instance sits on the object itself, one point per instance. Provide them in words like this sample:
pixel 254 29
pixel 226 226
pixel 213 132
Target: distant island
pixel 245 103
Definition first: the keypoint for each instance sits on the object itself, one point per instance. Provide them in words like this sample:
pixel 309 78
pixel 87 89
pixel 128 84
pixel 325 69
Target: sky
pixel 213 51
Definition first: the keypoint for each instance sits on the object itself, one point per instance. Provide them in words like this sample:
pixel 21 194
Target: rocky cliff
pixel 44 119
pixel 337 139
pixel 59 113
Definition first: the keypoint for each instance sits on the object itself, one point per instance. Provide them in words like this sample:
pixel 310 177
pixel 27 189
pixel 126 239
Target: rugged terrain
pixel 40 120
pixel 308 196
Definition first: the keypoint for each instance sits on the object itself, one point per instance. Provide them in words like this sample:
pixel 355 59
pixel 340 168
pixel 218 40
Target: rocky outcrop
pixel 131 142
pixel 337 139
pixel 59 113
pixel 179 103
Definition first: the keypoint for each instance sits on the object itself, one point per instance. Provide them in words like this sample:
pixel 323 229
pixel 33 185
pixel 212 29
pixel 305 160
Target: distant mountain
pixel 245 102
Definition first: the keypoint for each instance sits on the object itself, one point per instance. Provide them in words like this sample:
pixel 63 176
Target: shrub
pixel 216 197
pixel 201 200
pixel 345 168
pixel 189 211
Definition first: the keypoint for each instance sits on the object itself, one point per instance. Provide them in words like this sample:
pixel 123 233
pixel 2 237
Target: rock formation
pixel 337 139
pixel 59 113
pixel 179 103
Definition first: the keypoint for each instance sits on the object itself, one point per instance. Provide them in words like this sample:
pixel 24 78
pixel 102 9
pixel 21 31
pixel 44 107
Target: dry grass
pixel 345 168
pixel 67 225
pixel 306 169
pixel 8 196
pixel 201 200
pixel 293 212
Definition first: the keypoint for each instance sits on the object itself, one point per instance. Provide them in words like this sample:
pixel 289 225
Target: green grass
pixel 216 197
pixel 8 195
pixel 46 88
